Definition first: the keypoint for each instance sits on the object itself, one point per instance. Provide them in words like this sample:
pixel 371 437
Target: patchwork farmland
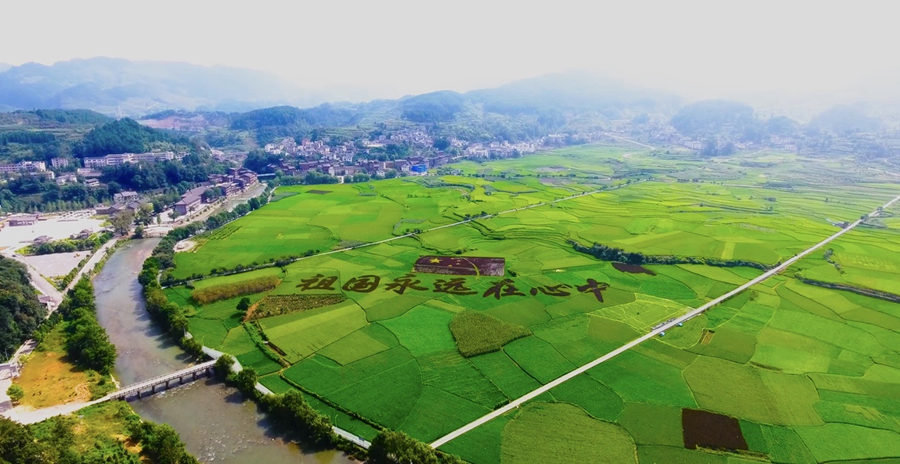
pixel 782 372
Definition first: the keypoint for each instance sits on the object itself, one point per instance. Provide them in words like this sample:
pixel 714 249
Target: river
pixel 214 421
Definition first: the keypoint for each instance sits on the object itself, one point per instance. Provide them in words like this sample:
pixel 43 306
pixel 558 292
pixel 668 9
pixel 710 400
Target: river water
pixel 214 421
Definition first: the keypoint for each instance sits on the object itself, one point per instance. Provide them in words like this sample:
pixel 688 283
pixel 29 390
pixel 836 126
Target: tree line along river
pixel 214 421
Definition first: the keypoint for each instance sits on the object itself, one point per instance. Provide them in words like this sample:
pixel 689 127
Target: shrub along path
pixel 674 322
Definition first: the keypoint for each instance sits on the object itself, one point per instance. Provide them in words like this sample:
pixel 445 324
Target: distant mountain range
pixel 119 87
pixel 122 87
pixel 570 101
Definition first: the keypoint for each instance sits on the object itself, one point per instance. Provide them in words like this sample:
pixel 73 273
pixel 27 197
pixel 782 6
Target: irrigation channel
pixel 213 419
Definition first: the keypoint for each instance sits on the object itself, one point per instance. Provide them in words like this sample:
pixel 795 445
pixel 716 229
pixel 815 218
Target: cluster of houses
pixel 92 166
pixel 26 167
pixel 349 158
pixel 236 180
pixel 100 162
pixel 501 149
pixel 121 201
pixel 414 165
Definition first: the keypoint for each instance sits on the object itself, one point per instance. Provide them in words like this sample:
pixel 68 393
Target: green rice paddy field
pixel 803 373
pixel 868 256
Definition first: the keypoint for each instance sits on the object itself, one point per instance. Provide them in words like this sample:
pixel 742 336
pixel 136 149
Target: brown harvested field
pixel 225 291
pixel 50 379
pixel 632 269
pixel 318 192
pixel 275 305
pixel 460 265
pixel 704 429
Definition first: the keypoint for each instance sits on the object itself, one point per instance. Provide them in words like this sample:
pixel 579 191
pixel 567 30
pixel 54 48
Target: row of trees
pixel 607 253
pixel 20 311
pixel 291 413
pixel 68 246
pixel 86 341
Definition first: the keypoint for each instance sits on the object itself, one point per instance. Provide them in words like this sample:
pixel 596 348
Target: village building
pixel 23 166
pixel 66 179
pixel 190 201
pixel 24 220
pixel 126 196
pixel 59 162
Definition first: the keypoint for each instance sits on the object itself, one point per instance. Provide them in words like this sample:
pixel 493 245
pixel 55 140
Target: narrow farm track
pixel 629 140
pixel 674 322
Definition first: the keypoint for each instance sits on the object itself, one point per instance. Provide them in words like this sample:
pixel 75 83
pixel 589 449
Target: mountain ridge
pixel 124 87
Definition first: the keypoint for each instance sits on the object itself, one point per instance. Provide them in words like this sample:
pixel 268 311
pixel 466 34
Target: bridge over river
pixel 138 390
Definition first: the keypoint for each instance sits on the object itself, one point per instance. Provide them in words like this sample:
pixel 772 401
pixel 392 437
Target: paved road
pixel 89 265
pixel 673 323
pixel 629 140
pixel 7 370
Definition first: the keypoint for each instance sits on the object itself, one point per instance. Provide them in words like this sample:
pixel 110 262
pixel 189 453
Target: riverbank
pixel 109 432
pixel 233 430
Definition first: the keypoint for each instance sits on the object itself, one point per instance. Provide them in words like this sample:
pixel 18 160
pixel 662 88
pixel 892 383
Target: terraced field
pixel 800 369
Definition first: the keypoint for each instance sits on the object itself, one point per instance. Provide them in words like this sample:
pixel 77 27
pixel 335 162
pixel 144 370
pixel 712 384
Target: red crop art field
pixel 461 265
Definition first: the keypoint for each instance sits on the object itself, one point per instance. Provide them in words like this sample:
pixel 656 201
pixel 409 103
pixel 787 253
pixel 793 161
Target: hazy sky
pixel 696 47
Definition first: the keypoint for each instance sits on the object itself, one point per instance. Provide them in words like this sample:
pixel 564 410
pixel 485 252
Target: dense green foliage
pixel 223 366
pixel 259 160
pixel 18 445
pixel 432 107
pixel 79 117
pixel 26 137
pixel 390 447
pixel 712 117
pixel 20 311
pixel 92 437
pixel 148 176
pixel 86 341
pixel 161 443
pixel 37 193
pixel 68 246
pixel 842 119
pixel 15 393
pixel 288 121
pixel 123 136
pixel 291 412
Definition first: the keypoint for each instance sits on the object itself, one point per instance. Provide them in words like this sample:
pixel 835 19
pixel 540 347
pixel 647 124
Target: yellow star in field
pixel 435 260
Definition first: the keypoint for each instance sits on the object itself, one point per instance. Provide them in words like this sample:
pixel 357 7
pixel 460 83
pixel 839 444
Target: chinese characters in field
pixel 498 289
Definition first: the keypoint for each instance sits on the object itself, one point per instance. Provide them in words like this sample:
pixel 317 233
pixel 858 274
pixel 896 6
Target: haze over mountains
pixel 120 87
pixel 112 86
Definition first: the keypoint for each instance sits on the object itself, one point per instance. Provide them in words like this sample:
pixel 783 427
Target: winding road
pixel 674 322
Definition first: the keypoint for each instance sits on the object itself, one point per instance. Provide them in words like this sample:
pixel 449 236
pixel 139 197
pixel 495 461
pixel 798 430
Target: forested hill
pixel 566 102
pixel 288 121
pixel 712 117
pixel 20 311
pixel 124 136
pixel 843 118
